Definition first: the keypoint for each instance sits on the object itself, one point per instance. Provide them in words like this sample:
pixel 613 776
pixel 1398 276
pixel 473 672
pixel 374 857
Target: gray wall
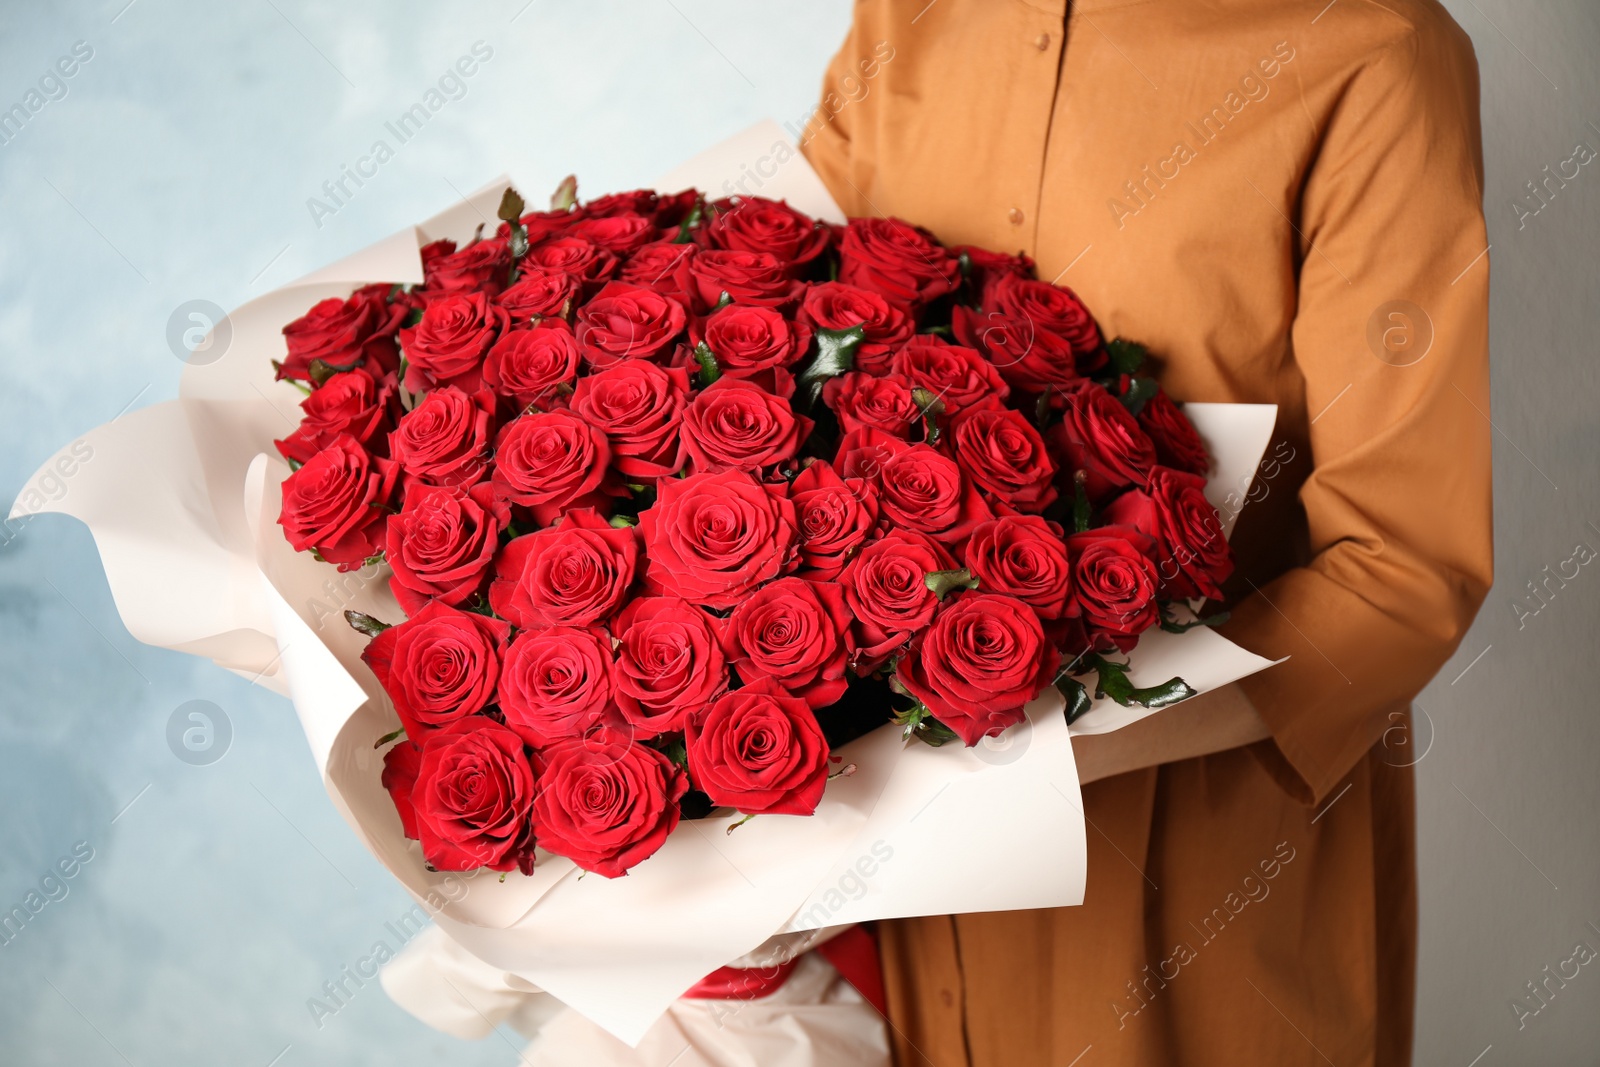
pixel 224 895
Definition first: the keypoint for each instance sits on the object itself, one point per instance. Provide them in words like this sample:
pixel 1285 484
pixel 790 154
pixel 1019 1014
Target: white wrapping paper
pixel 183 508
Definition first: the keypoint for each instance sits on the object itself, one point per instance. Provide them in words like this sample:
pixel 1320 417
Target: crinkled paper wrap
pixel 183 497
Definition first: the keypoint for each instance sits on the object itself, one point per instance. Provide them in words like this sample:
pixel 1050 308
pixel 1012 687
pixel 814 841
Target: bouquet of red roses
pixel 679 495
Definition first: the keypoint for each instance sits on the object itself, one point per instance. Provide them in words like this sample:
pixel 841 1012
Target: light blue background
pixel 178 167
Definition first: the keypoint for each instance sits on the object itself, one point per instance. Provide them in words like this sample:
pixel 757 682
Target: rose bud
pixel 584 261
pixel 334 503
pixel 533 367
pixel 1178 444
pixel 1114 585
pixel 1023 556
pixel 759 749
pixel 984 657
pixel 834 515
pixel 556 684
pixel 400 766
pixel 1004 456
pixel 442 543
pixel 835 306
pixel 669 662
pixel 1053 309
pixel 447 347
pixel 757 279
pixel 575 573
pixel 749 340
pixel 482 265
pixel 473 795
pixel 445 439
pixel 794 632
pixel 860 400
pixel 440 665
pixel 539 293
pixel 713 538
pixel 1027 357
pixel 1192 554
pixel 606 805
pixel 351 402
pixel 655 266
pixel 344 334
pixel 550 462
pixel 957 375
pixel 899 260
pixel 1098 436
pixel 639 406
pixel 627 322
pixel 886 588
pixel 736 425
pixel 756 224
pixel 918 488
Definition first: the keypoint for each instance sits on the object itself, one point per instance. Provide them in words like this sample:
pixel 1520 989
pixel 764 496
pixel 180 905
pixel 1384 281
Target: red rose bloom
pixel 442 543
pixel 749 340
pixel 919 488
pixel 867 401
pixel 351 402
pixel 655 266
pixel 530 366
pixel 585 261
pixel 632 202
pixel 447 347
pixel 1192 554
pixel 1051 308
pixel 984 657
pixel 344 334
pixel 754 278
pixel 639 406
pixel 669 662
pixel 1098 436
pixel 438 666
pixel 760 750
pixel 887 590
pixel 481 265
pixel 1026 557
pixel 986 268
pixel 619 234
pixel 756 224
pixel 1028 358
pixel 606 805
pixel 713 538
pixel 1114 585
pixel 549 462
pixel 473 793
pixel 1178 444
pixel 885 326
pixel 794 632
pixel 539 293
pixel 399 777
pixel 576 573
pixel 957 375
pixel 897 259
pixel 736 425
pixel 444 440
pixel 556 684
pixel 1004 456
pixel 334 504
pixel 834 517
pixel 627 322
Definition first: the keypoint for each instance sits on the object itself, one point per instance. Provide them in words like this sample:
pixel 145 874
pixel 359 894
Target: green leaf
pixel 1126 356
pixel 1077 696
pixel 931 406
pixel 1114 683
pixel 690 223
pixel 1173 626
pixel 938 331
pixel 623 522
pixel 1138 394
pixel 723 301
pixel 518 245
pixel 511 206
pixel 943 583
pixel 709 370
pixel 836 354
pixel 365 624
pixel 1080 502
pixel 393 735
pixel 919 722
pixel 321 370
pixel 566 194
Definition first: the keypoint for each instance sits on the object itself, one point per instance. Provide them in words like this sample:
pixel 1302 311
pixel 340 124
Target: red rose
pixel 334 504
pixel 1004 456
pixel 919 488
pixel 399 777
pixel 351 402
pixel 627 322
pixel 549 462
pixel 887 590
pixel 834 306
pixel 1028 358
pixel 756 224
pixel 1098 436
pixel 619 234
pixel 575 573
pixel 957 375
pixel 1178 443
pixel 985 269
pixel 438 666
pixel 655 266
pixel 1051 309
pixel 632 202
pixel 344 334
pixel 669 662
pixel 749 340
pixel 639 406
pixel 794 632
pixel 1114 584
pixel 897 259
pixel 445 439
pixel 834 517
pixel 473 794
pixel 736 425
pixel 1192 554
pixel 865 400
pixel 557 684
pixel 671 211
pixel 584 261
pixel 606 805
pixel 760 750
pixel 442 543
pixel 712 538
pixel 539 293
pixel 447 347
pixel 755 278
pixel 531 366
pixel 984 657
pixel 1026 557
pixel 480 265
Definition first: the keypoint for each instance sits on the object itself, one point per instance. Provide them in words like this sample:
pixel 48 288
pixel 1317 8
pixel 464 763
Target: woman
pixel 1282 200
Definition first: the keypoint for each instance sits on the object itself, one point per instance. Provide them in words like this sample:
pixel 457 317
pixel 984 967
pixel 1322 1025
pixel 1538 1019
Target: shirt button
pixel 1042 41
pixel 1015 216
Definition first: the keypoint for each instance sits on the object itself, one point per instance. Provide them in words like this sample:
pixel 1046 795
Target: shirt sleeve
pixel 827 143
pixel 1391 338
